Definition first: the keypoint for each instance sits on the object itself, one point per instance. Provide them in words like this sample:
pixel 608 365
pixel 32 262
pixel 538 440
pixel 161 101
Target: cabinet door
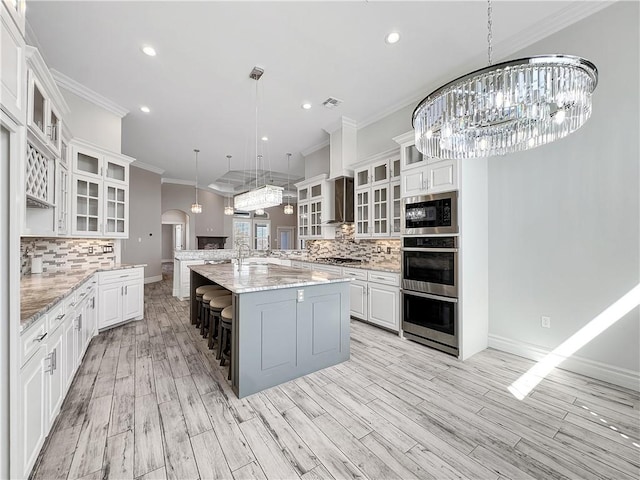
pixel 37 107
pixel 33 412
pixel 363 213
pixel 315 222
pixel 110 305
pixel 358 295
pixel 116 210
pixel 303 219
pixel 13 68
pixel 362 177
pixel 87 206
pixel 116 171
pixel 89 319
pixel 54 373
pixel 380 172
pixel 87 162
pixel 132 304
pixel 411 157
pixel 384 305
pixel 413 182
pixel 380 211
pixel 442 176
pixel 54 128
pixel 69 355
pixel 395 211
pixel 78 337
pixel 62 199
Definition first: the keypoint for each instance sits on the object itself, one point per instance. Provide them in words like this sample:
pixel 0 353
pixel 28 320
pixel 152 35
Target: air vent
pixel 331 102
pixel 256 73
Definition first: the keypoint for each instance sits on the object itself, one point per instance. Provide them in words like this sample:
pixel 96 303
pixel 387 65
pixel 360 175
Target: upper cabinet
pixel 100 191
pixel 315 206
pixel 422 175
pixel 376 192
pixel 12 62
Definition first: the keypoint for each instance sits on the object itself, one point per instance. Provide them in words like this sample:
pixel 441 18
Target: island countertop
pixel 260 277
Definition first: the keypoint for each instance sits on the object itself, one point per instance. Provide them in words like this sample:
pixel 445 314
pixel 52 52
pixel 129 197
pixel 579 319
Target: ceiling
pixel 198 86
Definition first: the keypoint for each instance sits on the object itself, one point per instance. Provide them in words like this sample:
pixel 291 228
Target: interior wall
pixel 279 219
pixel 167 241
pixel 378 137
pixel 92 123
pixel 564 218
pixel 317 163
pixel 144 244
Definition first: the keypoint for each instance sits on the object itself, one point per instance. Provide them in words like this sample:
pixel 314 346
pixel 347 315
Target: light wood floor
pixel 150 401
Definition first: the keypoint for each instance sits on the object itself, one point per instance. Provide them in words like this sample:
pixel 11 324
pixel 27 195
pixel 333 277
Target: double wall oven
pixel 430 271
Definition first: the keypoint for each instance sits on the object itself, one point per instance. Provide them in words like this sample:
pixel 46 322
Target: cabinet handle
pixel 93 303
pixel 51 359
pixel 122 290
pixel 83 294
pixel 79 322
pixel 124 276
pixel 126 290
pixel 380 278
pixel 60 317
pixel 40 337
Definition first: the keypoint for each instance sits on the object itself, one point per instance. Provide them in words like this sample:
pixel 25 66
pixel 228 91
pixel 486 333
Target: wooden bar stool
pixel 215 308
pixel 224 345
pixel 206 298
pixel 200 291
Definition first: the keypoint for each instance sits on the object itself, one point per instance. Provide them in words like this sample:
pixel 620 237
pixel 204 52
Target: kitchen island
pixel 287 322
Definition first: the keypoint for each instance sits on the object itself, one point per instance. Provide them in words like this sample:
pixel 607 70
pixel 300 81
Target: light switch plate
pixel 301 295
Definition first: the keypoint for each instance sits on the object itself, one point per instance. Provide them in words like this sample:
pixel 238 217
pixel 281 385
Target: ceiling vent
pixel 331 103
pixel 256 73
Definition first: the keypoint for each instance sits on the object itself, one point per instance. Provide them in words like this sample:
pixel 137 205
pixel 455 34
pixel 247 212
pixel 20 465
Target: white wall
pixel 316 163
pixel 564 218
pixel 378 137
pixel 92 123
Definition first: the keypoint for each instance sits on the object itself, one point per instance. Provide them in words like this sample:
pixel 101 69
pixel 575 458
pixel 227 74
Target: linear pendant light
pixel 267 195
pixel 504 108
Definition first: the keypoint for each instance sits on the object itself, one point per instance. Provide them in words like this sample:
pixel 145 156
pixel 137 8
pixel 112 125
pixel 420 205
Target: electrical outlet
pixel 301 295
pixel 107 249
pixel 545 322
pixel 388 249
pixel 379 249
pixel 90 249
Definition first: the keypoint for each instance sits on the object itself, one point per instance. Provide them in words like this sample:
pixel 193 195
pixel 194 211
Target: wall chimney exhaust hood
pixel 343 201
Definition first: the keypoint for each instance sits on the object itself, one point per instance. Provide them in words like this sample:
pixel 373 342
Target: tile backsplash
pixel 60 254
pixel 346 245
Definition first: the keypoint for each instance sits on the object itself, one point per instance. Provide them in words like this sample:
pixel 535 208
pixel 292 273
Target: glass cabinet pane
pixel 413 156
pixel 380 172
pixel 362 178
pixel 395 168
pixel 303 194
pixel 38 108
pixel 316 190
pixel 54 127
pixel 87 163
pixel 115 171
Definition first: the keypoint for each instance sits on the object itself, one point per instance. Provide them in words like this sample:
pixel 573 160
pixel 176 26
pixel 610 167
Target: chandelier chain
pixel 489 31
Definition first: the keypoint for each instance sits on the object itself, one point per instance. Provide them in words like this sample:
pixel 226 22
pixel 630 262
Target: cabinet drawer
pixel 124 275
pixel 56 316
pixel 385 278
pixel 32 339
pixel 326 268
pixel 356 273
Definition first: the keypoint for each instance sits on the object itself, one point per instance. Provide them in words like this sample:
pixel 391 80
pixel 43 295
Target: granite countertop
pixel 40 293
pixel 391 267
pixel 260 277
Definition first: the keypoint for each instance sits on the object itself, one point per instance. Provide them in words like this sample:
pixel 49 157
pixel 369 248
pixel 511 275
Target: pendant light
pixel 196 207
pixel 228 208
pixel 504 108
pixel 267 195
pixel 288 208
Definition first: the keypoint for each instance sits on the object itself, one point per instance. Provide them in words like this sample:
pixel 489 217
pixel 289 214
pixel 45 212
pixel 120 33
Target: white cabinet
pixel 33 409
pixel 358 292
pixel 54 374
pixel 384 305
pixel 12 63
pixel 375 297
pixel 182 277
pixel 120 296
pixel 62 198
pixel 69 357
pixel 100 193
pixel 315 206
pixel 376 208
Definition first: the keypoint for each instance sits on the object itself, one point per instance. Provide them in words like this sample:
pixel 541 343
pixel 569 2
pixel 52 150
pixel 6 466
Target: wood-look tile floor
pixel 150 401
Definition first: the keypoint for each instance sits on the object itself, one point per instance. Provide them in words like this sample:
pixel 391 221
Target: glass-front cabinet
pixel 377 211
pixel 100 203
pixel 303 219
pixel 315 205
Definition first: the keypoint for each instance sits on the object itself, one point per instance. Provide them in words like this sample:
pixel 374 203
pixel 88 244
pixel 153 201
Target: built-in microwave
pixel 430 214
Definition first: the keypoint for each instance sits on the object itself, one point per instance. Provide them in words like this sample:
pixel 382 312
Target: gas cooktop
pixel 338 260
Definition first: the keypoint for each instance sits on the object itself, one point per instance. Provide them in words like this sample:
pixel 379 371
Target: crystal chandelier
pixel 267 195
pixel 508 107
pixel 288 208
pixel 228 208
pixel 196 207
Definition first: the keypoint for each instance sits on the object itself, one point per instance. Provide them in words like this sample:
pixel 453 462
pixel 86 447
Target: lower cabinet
pixel 54 373
pixel 384 305
pixel 120 296
pixel 182 277
pixel 375 297
pixel 33 403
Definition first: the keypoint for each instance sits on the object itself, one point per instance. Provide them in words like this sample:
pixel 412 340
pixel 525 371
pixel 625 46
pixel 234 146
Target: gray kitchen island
pixel 288 322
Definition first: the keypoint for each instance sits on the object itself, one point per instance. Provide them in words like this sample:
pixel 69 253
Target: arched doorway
pixel 175 233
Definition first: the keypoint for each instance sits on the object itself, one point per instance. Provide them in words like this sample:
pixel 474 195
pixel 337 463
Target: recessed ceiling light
pixel 392 37
pixel 265 139
pixel 306 106
pixel 149 50
pixel 145 109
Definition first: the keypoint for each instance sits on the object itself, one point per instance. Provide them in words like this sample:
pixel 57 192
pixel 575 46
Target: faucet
pixel 240 257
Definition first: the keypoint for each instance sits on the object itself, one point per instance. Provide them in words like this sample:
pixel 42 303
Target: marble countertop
pixel 260 277
pixel 40 293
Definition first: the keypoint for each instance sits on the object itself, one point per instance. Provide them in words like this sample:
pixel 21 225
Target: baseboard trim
pixel 157 278
pixel 600 371
pixel 166 260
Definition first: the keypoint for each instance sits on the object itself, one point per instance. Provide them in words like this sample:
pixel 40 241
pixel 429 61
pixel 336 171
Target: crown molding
pixel 38 65
pixel 86 93
pixel 308 151
pixel 177 181
pixel 338 124
pixel 148 167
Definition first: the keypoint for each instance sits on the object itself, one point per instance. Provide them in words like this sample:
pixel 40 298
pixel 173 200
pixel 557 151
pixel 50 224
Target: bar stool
pixel 224 345
pixel 215 308
pixel 200 291
pixel 206 298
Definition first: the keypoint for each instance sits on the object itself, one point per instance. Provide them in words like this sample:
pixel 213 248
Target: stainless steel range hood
pixel 343 201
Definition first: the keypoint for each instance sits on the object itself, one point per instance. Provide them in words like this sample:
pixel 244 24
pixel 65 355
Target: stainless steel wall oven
pixel 430 291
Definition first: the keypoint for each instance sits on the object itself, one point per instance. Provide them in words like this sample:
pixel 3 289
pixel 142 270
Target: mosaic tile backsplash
pixel 60 254
pixel 346 245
